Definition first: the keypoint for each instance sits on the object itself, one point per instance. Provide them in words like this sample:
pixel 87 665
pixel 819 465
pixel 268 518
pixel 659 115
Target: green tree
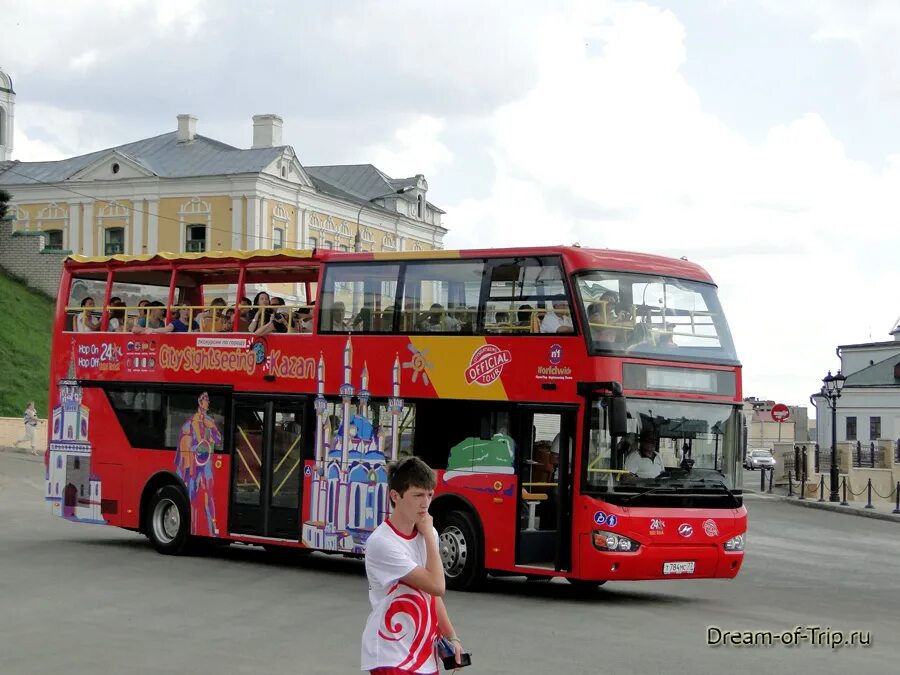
pixel 4 202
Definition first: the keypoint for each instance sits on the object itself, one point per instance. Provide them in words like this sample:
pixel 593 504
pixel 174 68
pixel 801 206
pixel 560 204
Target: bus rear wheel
pixel 461 551
pixel 169 521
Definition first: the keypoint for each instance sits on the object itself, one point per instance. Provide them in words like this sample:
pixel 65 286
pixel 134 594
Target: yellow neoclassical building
pixel 184 192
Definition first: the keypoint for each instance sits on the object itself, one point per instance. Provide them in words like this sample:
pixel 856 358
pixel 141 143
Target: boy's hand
pixel 425 524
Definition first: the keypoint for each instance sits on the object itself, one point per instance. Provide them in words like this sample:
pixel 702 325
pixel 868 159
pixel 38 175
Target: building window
pixel 851 428
pixel 54 239
pixel 313 242
pixel 421 204
pixel 327 244
pixel 114 240
pixel 343 247
pixel 277 238
pixel 874 428
pixel 196 239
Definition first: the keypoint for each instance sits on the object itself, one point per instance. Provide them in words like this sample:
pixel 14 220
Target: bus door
pixel 544 468
pixel 267 469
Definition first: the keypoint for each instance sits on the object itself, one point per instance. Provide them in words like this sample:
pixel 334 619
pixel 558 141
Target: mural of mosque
pixel 73 491
pixel 348 495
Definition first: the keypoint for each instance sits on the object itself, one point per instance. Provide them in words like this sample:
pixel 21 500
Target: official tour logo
pixel 657 526
pixel 486 364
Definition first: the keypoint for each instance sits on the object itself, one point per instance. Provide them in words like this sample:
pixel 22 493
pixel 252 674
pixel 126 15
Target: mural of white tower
pixel 7 116
pixel 73 491
pixel 348 496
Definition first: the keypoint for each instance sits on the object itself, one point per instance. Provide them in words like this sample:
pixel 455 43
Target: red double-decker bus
pixel 581 407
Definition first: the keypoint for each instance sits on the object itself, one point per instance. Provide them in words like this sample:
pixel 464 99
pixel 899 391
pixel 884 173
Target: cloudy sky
pixel 759 138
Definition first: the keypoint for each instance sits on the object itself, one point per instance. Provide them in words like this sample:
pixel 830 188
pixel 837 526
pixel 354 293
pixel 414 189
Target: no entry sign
pixel 780 412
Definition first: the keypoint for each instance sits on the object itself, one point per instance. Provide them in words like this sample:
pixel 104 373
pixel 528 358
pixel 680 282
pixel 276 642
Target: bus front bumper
pixel 659 561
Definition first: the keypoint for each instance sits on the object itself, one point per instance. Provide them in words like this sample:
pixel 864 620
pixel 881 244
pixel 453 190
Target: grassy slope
pixel 24 348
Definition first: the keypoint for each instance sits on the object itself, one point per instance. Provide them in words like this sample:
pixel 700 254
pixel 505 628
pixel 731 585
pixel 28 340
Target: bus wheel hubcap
pixel 454 551
pixel 166 521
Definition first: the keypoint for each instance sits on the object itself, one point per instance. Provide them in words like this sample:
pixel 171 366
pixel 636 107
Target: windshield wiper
pixel 656 488
pixel 718 483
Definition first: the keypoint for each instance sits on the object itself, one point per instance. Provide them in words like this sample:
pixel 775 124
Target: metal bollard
pixel 790 485
pixel 822 487
pixel 897 492
pixel 771 478
pixel 844 486
pixel 762 480
pixel 869 490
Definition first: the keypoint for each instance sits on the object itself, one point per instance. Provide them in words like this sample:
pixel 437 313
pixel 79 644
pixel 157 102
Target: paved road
pixel 83 599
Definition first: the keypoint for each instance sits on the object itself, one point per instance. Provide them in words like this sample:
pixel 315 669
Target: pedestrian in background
pixel 30 419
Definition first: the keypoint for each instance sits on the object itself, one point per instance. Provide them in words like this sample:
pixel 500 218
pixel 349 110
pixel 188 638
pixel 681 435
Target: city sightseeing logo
pixel 486 364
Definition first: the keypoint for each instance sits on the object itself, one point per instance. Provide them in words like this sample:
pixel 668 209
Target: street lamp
pixel 357 240
pixel 831 392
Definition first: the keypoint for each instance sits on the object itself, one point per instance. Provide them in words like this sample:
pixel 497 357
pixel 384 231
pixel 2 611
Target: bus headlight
pixel 610 541
pixel 736 543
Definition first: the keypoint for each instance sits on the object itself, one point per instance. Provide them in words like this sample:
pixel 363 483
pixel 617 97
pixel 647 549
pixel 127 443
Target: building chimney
pixel 267 131
pixel 187 128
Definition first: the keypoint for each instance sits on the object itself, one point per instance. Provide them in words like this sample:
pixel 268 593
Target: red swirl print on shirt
pixel 411 615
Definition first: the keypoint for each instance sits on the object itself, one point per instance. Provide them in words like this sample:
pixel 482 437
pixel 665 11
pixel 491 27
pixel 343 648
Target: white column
pixel 237 208
pixel 301 228
pixel 152 225
pixel 137 227
pixel 88 229
pixel 252 222
pixel 263 227
pixel 73 232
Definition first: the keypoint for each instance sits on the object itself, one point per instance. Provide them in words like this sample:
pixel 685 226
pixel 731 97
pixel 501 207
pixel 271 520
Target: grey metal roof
pixel 161 155
pixel 880 374
pixel 362 182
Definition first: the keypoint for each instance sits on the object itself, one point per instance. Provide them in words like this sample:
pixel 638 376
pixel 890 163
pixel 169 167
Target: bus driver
pixel 645 462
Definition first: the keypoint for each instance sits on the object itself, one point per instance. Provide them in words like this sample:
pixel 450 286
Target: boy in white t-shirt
pixel 406 580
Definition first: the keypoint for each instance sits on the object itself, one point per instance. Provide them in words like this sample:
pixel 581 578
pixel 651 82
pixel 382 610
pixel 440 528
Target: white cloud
pixel 787 226
pixel 415 148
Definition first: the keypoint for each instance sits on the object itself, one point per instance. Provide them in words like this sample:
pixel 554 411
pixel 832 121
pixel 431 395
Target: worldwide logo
pixel 486 364
pixel 555 354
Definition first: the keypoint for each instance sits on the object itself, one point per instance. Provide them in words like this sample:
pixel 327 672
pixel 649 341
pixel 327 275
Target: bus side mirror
pixel 617 416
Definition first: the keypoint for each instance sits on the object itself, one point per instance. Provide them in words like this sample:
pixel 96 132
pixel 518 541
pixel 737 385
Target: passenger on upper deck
pixel 438 321
pixel 211 320
pixel 559 320
pixel 302 320
pixel 279 321
pixel 180 322
pixel 260 314
pixel 86 321
pixel 337 320
pixel 244 314
pixel 156 322
pixel 116 315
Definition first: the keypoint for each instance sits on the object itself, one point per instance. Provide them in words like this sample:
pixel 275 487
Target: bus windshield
pixel 648 315
pixel 670 446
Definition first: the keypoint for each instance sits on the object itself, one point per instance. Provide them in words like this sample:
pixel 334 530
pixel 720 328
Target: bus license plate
pixel 678 568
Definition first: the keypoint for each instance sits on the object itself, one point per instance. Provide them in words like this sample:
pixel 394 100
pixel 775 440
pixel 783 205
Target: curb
pixel 828 506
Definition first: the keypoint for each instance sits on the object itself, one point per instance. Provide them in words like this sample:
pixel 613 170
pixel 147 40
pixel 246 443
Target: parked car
pixel 759 459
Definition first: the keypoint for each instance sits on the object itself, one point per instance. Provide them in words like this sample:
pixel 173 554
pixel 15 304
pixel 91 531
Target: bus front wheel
pixel 169 521
pixel 461 551
pixel 585 585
